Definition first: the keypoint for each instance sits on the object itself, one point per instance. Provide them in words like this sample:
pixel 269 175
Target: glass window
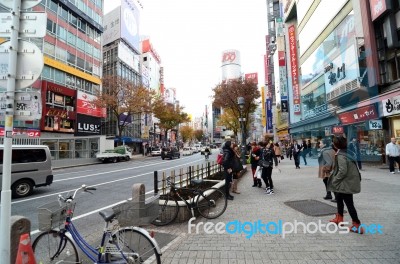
pixel 62 33
pixel 54 6
pixel 71 58
pixel 51 26
pixel 63 13
pixel 88 66
pixel 80 63
pixel 26 155
pixel 70 80
pixel 59 77
pixel 78 83
pixel 49 49
pixel 82 26
pixel 80 44
pixel 73 20
pixel 47 72
pixel 71 39
pixel 61 54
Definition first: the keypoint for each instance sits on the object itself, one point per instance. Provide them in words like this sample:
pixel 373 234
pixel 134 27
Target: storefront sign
pixel 391 106
pixel 87 125
pixel 375 124
pixel 359 115
pixel 337 130
pixel 85 105
pixel 30 132
pixel 57 112
pixel 377 7
pixel 294 70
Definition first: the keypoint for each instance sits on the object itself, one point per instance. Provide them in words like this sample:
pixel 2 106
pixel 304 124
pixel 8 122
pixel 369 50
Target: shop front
pixel 391 112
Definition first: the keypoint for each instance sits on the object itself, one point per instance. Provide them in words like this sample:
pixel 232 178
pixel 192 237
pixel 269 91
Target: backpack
pixel 264 161
pixel 220 158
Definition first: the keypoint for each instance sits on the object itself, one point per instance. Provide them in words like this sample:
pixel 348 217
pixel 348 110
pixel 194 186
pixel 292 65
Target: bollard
pixel 138 193
pixel 19 225
pixel 155 182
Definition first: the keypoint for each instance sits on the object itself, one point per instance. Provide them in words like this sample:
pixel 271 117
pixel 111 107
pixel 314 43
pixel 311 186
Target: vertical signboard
pixel 263 119
pixel 266 70
pixel 130 23
pixel 377 7
pixel 283 81
pixel 268 108
pixel 294 70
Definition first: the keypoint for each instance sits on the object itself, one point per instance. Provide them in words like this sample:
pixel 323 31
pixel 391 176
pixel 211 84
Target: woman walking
pixel 228 164
pixel 345 181
pixel 254 158
pixel 278 153
pixel 326 157
pixel 267 162
pixel 237 168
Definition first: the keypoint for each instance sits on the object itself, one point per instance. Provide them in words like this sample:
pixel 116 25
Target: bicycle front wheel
pixel 211 203
pixel 133 247
pixel 168 211
pixel 54 247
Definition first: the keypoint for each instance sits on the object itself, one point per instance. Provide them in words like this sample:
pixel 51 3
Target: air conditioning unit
pixel 70 108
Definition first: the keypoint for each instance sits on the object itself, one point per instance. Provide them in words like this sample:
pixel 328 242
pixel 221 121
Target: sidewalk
pixel 378 203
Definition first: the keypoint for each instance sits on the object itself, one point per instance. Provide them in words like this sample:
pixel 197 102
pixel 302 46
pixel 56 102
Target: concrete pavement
pixel 378 203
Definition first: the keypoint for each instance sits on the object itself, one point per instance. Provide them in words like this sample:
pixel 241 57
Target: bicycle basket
pixel 137 213
pixel 52 215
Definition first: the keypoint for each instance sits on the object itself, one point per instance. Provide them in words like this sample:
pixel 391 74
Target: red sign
pixel 229 57
pixel 251 77
pixel 337 130
pixel 266 70
pixel 281 58
pixel 30 132
pixel 378 7
pixel 85 105
pixel 359 115
pixel 294 70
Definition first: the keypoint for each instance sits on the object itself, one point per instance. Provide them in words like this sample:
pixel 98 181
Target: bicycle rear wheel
pixel 168 211
pixel 136 247
pixel 54 247
pixel 211 203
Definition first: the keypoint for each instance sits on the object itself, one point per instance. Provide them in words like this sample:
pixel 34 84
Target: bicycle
pixel 210 203
pixel 129 244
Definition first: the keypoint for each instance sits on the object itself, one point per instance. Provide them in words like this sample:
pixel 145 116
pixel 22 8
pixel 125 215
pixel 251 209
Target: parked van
pixel 31 167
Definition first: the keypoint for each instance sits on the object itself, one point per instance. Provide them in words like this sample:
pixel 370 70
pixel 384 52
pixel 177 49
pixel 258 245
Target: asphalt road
pixel 113 182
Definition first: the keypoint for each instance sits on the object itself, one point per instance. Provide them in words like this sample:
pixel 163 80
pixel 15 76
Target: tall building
pixel 71 76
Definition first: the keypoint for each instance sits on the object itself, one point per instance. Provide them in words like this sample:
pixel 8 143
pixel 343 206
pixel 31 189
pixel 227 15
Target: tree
pixel 230 121
pixel 198 134
pixel 186 133
pixel 170 115
pixel 226 94
pixel 123 98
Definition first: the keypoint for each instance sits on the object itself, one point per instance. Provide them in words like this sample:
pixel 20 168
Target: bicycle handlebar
pixel 72 197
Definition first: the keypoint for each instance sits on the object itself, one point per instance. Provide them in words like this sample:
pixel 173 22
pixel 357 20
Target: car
pixel 156 151
pixel 170 153
pixel 187 151
pixel 194 149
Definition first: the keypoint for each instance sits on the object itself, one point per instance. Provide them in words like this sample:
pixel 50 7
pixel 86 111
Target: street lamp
pixel 240 102
pixel 154 133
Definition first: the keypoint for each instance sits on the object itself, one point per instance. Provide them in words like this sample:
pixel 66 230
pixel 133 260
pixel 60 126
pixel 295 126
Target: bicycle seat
pixel 197 181
pixel 106 217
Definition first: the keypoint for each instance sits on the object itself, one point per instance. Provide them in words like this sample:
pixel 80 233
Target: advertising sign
pixel 337 130
pixel 85 105
pixel 128 56
pixel 377 7
pixel 169 95
pixel 87 125
pixel 268 108
pixel 29 132
pixel 375 124
pixel 251 77
pixel 230 57
pixel 266 70
pixel 130 16
pixel 359 115
pixel 391 106
pixel 294 69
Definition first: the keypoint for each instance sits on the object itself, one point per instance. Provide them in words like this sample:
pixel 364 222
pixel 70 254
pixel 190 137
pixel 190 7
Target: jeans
pixel 267 177
pixel 392 160
pixel 345 198
pixel 296 158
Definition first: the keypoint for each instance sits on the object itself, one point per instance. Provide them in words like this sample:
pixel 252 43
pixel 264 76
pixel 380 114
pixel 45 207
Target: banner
pixel 268 108
pixel 294 69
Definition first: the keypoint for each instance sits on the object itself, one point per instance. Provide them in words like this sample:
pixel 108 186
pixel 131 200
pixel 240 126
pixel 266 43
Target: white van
pixel 31 167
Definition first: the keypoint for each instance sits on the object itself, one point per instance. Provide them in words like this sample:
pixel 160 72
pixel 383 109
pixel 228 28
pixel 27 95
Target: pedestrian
pixel 254 158
pixel 393 154
pixel 345 181
pixel 290 150
pixel 304 151
pixel 278 153
pixel 326 157
pixel 309 148
pixel 354 147
pixel 296 154
pixel 238 167
pixel 267 160
pixel 228 164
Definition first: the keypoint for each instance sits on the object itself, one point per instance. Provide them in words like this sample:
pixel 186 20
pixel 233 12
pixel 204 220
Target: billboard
pixel 230 65
pixel 169 95
pixel 112 29
pixel 251 77
pixel 268 107
pixel 128 56
pixel 130 18
pixel 377 7
pixel 294 69
pixel 84 105
pixel 87 125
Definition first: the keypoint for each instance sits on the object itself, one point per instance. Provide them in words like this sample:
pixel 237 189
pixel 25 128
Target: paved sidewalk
pixel 378 203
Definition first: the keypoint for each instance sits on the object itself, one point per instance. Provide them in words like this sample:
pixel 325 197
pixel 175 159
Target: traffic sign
pixel 27 106
pixel 31 24
pixel 25 4
pixel 30 64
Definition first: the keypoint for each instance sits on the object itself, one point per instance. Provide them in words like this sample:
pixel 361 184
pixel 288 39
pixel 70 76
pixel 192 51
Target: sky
pixel 190 36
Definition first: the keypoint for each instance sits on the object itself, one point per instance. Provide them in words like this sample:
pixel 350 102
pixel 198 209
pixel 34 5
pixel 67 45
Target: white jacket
pixel 392 150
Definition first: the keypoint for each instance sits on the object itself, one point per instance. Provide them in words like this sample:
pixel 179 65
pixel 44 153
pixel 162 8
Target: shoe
pixel 229 198
pixel 333 200
pixel 267 190
pixel 328 196
pixel 259 183
pixel 392 172
pixel 271 192
pixel 356 228
pixel 236 191
pixel 337 220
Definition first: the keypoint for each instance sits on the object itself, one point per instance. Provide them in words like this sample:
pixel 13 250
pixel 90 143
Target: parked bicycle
pixel 129 244
pixel 210 203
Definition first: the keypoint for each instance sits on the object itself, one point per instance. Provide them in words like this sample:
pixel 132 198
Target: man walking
pixel 304 151
pixel 393 154
pixel 296 154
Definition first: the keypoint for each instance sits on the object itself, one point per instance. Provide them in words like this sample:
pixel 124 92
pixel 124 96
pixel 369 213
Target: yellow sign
pixel 71 70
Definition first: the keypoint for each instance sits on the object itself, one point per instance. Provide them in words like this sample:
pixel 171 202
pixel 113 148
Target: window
pixel 89 67
pixel 47 73
pixel 80 44
pixel 53 6
pixel 82 26
pixel 73 20
pixel 61 54
pixel 51 26
pixel 63 13
pixel 71 39
pixel 70 80
pixel 26 155
pixel 71 58
pixel 48 49
pixel 80 63
pixel 59 77
pixel 61 33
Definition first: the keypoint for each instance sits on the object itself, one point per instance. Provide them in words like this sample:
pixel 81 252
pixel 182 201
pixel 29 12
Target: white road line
pixel 72 172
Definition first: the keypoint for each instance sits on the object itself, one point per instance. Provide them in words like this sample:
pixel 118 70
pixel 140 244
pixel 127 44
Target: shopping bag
pixel 258 172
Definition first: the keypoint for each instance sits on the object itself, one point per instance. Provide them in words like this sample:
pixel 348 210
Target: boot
pixel 254 183
pixel 259 183
pixel 328 196
pixel 234 187
pixel 356 228
pixel 337 220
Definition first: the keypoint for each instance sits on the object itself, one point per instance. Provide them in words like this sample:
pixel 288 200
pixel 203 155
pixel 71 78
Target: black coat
pixel 228 160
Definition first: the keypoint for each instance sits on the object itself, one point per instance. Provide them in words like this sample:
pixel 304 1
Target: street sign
pixel 29 65
pixel 31 25
pixel 25 4
pixel 27 106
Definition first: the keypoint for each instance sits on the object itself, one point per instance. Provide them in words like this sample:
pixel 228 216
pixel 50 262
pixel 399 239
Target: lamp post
pixel 154 133
pixel 240 101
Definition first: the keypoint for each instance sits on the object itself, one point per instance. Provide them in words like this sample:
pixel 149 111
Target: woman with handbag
pixel 238 167
pixel 345 181
pixel 267 162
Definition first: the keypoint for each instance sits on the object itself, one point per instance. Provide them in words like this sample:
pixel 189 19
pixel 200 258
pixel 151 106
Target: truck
pixel 121 153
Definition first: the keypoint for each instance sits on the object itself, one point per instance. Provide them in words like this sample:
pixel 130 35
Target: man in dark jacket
pixel 228 164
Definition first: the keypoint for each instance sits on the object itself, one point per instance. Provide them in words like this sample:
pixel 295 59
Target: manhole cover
pixel 312 207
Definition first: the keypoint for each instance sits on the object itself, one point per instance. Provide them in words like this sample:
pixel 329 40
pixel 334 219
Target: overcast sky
pixel 190 35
